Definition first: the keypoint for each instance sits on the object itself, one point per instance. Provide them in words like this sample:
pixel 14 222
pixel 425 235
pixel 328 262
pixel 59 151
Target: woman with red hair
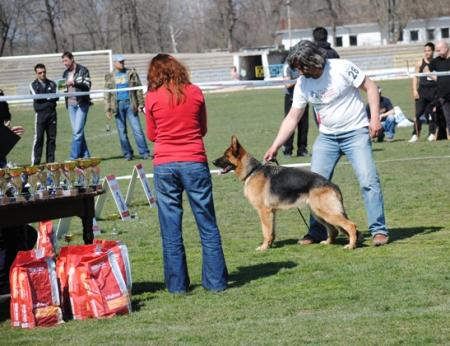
pixel 176 123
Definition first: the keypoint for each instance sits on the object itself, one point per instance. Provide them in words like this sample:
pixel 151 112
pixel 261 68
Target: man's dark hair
pixel 67 55
pixel 320 34
pixel 306 54
pixel 430 44
pixel 40 66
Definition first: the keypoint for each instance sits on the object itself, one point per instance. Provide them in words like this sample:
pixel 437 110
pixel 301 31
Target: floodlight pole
pixel 288 5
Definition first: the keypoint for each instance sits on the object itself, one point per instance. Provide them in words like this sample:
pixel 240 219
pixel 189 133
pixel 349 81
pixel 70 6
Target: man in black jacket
pixel 45 116
pixel 77 79
pixel 320 36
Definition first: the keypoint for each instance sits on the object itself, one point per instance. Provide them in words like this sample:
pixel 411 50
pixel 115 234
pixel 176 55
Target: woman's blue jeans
pixel 357 146
pixel 78 115
pixel 171 180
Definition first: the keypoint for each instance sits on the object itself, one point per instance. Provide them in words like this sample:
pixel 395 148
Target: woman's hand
pixel 18 130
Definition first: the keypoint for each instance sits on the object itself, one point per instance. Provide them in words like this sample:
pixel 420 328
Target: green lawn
pixel 397 294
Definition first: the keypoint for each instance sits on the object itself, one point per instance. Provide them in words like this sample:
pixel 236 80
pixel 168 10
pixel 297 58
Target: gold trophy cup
pixel 85 166
pixel 16 181
pixel 95 162
pixel 55 172
pixel 42 178
pixel 32 173
pixel 69 172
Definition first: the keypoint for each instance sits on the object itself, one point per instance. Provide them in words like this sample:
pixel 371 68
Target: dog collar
pixel 252 171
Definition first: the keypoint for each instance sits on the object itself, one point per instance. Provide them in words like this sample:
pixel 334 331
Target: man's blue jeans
pixel 357 146
pixel 170 181
pixel 124 112
pixel 389 126
pixel 78 116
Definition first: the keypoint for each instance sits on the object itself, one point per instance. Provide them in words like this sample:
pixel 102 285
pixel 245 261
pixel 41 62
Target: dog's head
pixel 231 158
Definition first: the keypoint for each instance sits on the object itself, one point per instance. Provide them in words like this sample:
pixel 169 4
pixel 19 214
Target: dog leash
pixel 274 160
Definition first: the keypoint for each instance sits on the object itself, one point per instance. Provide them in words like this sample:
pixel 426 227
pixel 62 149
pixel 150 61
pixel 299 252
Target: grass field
pixel 396 294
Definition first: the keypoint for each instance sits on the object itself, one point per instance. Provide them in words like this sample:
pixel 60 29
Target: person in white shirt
pixel 332 87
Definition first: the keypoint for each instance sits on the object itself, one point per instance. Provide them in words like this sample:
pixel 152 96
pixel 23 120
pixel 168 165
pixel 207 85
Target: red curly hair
pixel 164 70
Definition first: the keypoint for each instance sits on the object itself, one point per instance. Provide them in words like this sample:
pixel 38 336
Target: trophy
pixel 42 178
pixel 16 182
pixel 55 173
pixel 71 176
pixel 86 169
pixel 3 185
pixel 32 174
pixel 95 162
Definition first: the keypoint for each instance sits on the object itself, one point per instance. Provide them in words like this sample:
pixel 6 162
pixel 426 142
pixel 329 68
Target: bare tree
pixel 10 16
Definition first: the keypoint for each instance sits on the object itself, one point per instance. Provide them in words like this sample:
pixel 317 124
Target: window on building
pixel 353 40
pixel 444 33
pixel 430 34
pixel 414 35
pixel 338 41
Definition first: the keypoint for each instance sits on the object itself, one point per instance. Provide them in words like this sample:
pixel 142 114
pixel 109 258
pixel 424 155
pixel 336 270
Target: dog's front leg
pixel 267 217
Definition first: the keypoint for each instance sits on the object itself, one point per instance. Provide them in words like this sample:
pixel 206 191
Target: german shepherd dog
pixel 270 188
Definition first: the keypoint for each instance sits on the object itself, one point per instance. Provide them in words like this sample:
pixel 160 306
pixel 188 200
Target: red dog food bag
pixel 35 295
pixel 46 238
pixel 105 286
pixel 70 257
pixel 121 253
pixel 72 281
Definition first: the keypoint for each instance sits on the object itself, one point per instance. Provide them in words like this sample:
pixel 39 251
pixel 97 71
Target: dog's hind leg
pixel 332 234
pixel 267 217
pixel 327 205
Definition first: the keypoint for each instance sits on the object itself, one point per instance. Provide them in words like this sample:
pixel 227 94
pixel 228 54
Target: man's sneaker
pixel 431 138
pixel 414 139
pixel 380 239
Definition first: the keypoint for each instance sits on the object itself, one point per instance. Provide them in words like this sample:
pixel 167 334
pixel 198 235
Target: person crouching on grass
pixel 176 123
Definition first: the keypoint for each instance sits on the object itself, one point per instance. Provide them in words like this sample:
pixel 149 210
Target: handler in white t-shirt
pixel 332 87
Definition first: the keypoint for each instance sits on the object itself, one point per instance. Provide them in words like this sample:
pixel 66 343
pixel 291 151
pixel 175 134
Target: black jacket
pixel 44 106
pixel 5 115
pixel 330 52
pixel 82 82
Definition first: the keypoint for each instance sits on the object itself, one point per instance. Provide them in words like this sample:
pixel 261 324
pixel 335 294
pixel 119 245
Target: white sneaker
pixel 431 138
pixel 414 139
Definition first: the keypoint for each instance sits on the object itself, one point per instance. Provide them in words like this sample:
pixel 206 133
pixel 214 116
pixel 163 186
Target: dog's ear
pixel 235 145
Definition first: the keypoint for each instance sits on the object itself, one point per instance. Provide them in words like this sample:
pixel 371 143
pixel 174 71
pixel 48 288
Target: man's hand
pixel 109 115
pixel 70 83
pixel 416 95
pixel 18 130
pixel 375 127
pixel 270 154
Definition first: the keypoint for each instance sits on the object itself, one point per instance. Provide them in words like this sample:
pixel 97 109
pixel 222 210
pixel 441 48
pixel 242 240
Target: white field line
pixel 307 164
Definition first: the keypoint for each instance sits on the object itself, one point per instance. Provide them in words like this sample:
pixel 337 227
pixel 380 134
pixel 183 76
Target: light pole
pixel 288 6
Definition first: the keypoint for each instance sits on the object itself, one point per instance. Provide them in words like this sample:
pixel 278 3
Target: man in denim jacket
pixel 125 105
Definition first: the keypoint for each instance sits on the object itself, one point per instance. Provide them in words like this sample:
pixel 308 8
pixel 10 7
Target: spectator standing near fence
pixel 45 117
pixel 320 37
pixel 441 63
pixel 424 94
pixel 125 105
pixel 77 79
pixel 176 122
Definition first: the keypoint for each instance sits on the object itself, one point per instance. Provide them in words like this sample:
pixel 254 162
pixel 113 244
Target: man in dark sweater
pixel 320 36
pixel 442 64
pixel 45 116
